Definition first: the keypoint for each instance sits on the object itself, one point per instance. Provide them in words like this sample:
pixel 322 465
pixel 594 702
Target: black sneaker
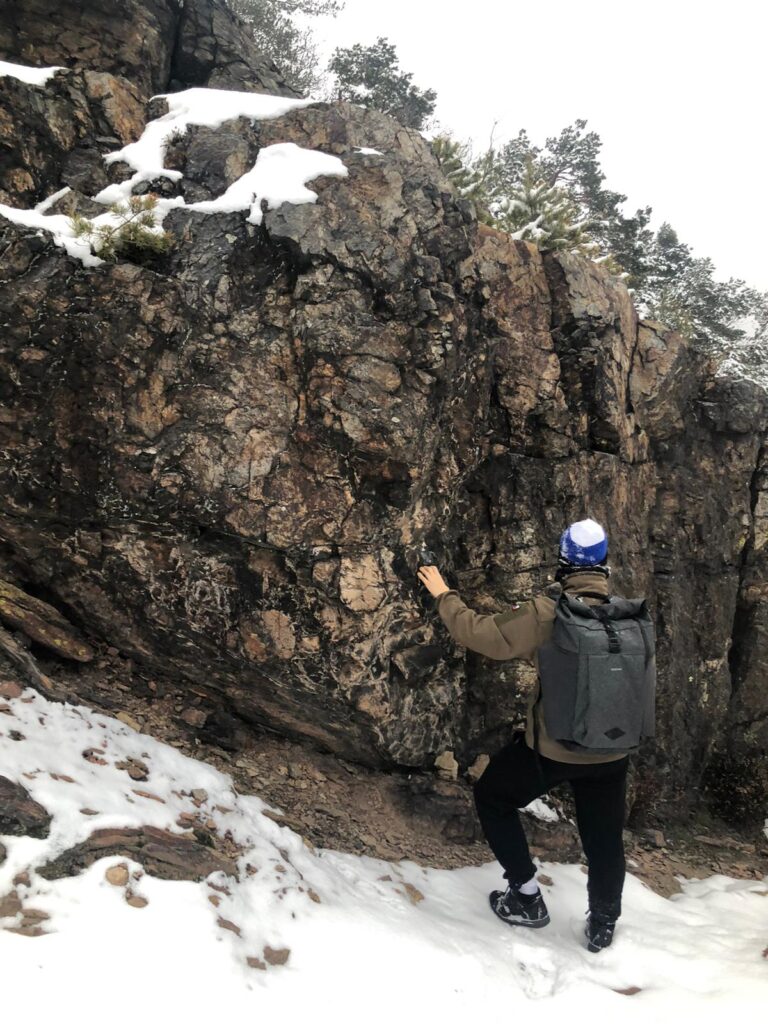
pixel 516 908
pixel 599 932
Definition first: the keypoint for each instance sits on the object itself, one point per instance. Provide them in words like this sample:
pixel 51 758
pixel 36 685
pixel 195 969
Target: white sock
pixel 529 888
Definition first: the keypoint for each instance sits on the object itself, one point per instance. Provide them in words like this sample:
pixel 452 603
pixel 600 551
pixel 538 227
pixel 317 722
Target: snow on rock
pixel 208 108
pixel 299 928
pixel 31 76
pixel 62 229
pixel 279 175
pixel 46 204
pixel 59 227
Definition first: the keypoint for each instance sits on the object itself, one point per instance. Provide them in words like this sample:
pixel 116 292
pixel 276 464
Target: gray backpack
pixel 598 675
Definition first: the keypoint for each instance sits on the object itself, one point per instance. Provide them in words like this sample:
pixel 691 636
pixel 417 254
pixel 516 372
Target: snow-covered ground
pixel 367 940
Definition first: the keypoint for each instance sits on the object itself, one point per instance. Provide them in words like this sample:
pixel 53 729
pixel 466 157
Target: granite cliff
pixel 224 462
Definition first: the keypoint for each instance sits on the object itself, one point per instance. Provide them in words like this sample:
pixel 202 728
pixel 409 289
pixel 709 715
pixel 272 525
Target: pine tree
pixel 371 77
pixel 570 162
pixel 289 44
pixel 537 211
pixel 727 319
pixel 748 356
pixel 468 178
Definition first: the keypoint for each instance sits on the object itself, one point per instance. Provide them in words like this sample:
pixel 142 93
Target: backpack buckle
pixel 614 640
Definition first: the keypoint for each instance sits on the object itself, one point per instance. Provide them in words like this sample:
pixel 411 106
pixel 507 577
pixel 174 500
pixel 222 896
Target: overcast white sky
pixel 676 90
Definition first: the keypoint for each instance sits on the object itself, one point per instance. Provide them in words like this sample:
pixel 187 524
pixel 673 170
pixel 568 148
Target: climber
pixel 591 753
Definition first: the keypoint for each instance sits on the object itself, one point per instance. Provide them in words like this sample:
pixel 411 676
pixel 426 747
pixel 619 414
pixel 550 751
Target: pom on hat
pixel 584 543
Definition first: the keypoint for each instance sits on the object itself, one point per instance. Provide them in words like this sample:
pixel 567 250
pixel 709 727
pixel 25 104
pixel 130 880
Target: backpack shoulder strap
pixel 648 652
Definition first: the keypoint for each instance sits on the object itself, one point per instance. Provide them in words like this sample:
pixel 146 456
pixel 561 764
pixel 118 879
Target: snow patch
pixel 46 204
pixel 58 226
pixel 366 151
pixel 31 76
pixel 542 811
pixel 279 176
pixel 208 108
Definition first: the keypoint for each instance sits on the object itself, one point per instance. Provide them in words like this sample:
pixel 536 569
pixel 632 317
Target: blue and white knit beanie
pixel 584 543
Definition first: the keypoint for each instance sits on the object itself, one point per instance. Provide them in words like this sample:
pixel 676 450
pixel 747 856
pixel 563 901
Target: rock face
pixel 227 465
pixel 40 623
pixel 156 45
pixel 738 773
pixel 58 136
pixel 119 54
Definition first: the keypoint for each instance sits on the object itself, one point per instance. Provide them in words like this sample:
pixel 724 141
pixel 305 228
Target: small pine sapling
pixel 132 235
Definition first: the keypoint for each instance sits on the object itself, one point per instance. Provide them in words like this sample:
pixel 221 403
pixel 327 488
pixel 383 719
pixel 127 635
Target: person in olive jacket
pixel 518 774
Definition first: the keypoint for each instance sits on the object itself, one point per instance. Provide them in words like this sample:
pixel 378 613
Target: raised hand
pixel 432 580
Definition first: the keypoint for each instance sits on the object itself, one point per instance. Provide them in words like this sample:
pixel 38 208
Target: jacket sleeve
pixel 513 633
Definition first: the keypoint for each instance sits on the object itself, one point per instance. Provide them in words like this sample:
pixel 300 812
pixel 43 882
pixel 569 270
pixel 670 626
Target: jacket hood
pixel 579 582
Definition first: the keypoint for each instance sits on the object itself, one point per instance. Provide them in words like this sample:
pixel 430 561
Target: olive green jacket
pixel 518 632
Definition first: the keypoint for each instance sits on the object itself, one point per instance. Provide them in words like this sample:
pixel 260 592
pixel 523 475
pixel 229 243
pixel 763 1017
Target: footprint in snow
pixel 535 970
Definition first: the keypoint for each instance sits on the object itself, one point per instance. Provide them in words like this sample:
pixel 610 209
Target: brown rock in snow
pixel 414 895
pixel 126 719
pixel 117 874
pixel 276 957
pixel 162 854
pixel 137 770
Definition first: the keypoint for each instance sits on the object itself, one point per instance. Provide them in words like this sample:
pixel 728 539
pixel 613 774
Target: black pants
pixel 512 780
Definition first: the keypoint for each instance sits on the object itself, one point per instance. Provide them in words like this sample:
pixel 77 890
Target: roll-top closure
pixel 613 608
